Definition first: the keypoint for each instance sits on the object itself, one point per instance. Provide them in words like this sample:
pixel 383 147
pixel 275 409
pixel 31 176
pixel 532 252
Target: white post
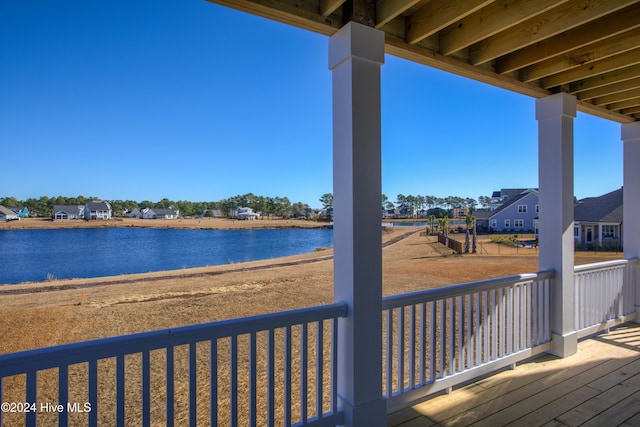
pixel 555 116
pixel 631 197
pixel 356 53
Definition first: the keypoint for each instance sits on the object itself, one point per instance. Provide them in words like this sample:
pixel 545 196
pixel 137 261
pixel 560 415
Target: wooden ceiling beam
pixel 601 29
pixel 439 14
pixel 603 66
pixel 617 97
pixel 613 77
pixel 630 103
pixel 562 18
pixel 388 10
pixel 588 54
pixel 633 110
pixel 299 14
pixel 610 89
pixel 491 20
pixel 327 7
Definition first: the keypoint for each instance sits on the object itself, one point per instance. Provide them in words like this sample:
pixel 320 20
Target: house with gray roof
pixel 7 214
pixel 158 213
pixel 66 212
pixel 518 213
pixel 97 210
pixel 506 195
pixel 21 211
pixel 598 221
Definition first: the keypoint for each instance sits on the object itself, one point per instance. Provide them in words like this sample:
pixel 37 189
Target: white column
pixel 356 53
pixel 555 116
pixel 631 197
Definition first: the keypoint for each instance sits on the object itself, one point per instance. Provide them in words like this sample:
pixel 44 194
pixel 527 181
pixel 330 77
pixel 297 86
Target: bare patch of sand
pixel 182 223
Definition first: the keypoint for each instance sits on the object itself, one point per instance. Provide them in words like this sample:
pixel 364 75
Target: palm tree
pixel 469 221
pixel 444 223
pixel 432 219
pixel 474 244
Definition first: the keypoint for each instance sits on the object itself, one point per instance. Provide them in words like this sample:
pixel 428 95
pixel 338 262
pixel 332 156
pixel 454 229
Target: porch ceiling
pixel 589 48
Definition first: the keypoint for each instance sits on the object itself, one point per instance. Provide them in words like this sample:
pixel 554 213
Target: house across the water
pixel 62 212
pixel 598 221
pixel 7 214
pixel 97 210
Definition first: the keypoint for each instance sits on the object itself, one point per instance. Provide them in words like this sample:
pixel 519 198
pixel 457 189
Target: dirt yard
pixel 57 312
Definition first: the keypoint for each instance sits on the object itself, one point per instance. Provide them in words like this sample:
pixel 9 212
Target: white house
pixel 61 212
pixel 7 214
pixel 97 210
pixel 153 213
pixel 246 214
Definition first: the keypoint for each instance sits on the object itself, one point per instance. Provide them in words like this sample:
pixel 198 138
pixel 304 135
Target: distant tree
pixel 444 224
pixel 485 201
pixel 471 203
pixel 327 201
pixel 9 201
pixel 432 219
pixel 387 204
pixel 402 203
pixel 474 244
pixel 469 221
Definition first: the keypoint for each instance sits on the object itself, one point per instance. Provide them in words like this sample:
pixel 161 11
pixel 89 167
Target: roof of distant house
pixel 98 206
pixel 7 211
pixel 165 211
pixel 511 200
pixel 605 208
pixel 67 208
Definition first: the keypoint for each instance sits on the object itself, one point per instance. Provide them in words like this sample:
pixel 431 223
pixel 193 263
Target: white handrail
pixel 313 354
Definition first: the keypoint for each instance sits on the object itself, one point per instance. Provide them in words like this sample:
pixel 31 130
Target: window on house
pixel 576 232
pixel 494 223
pixel 507 223
pixel 609 231
pixel 537 208
pixel 518 223
pixel 522 208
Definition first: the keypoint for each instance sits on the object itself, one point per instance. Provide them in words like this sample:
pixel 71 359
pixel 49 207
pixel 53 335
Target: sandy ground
pixel 57 312
pixel 38 315
pixel 193 223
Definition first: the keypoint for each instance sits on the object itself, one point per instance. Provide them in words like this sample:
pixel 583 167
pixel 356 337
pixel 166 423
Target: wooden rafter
pixel 609 26
pixel 491 20
pixel 603 66
pixel 439 14
pixel 562 18
pixel 610 89
pixel 590 48
pixel 586 55
pixel 327 7
pixel 622 100
pixel 387 10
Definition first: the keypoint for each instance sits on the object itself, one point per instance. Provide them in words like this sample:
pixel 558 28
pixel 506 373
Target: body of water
pixel 38 255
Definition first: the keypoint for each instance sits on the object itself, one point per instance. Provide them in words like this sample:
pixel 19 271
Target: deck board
pixel 597 386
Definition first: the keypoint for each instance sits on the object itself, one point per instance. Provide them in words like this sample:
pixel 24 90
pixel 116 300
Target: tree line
pixel 422 205
pixel 267 205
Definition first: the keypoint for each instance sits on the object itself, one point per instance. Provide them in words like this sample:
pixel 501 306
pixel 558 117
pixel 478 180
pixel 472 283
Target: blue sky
pixel 188 100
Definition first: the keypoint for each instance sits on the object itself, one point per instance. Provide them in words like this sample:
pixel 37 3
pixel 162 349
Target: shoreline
pixel 325 254
pixel 180 223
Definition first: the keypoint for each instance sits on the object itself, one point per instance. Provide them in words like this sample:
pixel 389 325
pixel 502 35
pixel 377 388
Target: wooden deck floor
pixel 599 386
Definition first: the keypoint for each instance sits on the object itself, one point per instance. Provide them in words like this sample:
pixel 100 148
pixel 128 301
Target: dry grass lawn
pixel 86 309
pixel 59 312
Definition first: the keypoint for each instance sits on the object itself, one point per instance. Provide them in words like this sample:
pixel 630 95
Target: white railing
pixel 442 337
pixel 605 294
pixel 238 372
